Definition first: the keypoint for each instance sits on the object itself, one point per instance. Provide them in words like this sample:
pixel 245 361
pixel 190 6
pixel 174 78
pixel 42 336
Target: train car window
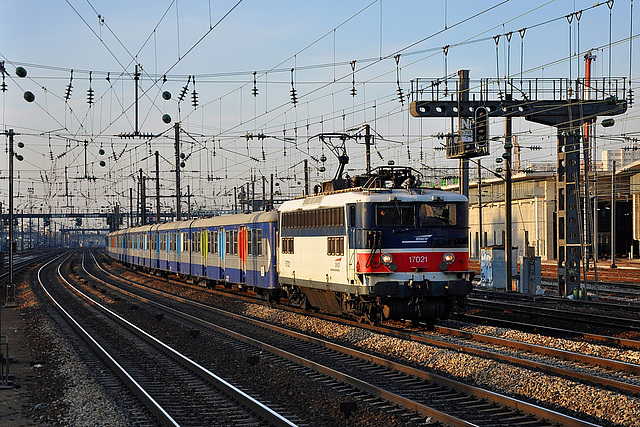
pixel 431 214
pixel 235 242
pixel 395 215
pixel 287 245
pixel 228 242
pixel 250 243
pixel 335 246
pixel 352 216
pixel 214 243
pixel 259 239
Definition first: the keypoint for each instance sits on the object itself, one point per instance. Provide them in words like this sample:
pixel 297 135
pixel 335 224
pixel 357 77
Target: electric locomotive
pixel 380 248
pixel 372 247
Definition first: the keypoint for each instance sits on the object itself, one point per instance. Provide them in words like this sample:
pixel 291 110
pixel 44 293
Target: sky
pixel 333 48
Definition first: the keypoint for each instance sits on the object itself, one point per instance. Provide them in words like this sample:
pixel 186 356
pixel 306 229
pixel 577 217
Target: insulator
pixel 294 98
pixel 21 72
pixel 630 98
pixel 67 94
pixel 353 91
pixel 400 95
pixel 183 92
pixel 194 98
pixel 29 97
pixel 254 91
pixel 3 87
pixel 90 96
pixel 166 95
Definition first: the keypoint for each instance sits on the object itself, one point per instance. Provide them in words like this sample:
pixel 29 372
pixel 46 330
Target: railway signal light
pixel 481 127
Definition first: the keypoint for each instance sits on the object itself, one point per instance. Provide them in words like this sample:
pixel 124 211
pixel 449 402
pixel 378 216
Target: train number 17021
pixel 417 259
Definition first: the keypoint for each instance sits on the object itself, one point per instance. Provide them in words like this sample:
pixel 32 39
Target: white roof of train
pixel 342 197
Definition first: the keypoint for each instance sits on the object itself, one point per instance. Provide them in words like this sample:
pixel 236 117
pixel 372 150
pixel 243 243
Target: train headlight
pixel 448 258
pixel 386 259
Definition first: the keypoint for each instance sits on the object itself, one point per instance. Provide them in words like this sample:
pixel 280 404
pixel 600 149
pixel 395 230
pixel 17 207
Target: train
pixel 374 247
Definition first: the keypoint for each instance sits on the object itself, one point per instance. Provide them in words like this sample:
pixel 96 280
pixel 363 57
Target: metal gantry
pixel 562 103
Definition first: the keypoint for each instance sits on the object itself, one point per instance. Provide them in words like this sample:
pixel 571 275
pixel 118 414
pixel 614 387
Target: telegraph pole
pixel 508 243
pixel 157 188
pixel 271 196
pixel 613 216
pixel 11 294
pixel 367 141
pixel 177 147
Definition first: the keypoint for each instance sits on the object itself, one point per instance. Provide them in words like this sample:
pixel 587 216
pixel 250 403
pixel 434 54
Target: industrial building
pixel 534 212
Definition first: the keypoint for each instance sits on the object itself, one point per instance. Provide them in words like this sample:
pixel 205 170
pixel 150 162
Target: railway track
pixel 456 389
pixel 172 387
pixel 562 314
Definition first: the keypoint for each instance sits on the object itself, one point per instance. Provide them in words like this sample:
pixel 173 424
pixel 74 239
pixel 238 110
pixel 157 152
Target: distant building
pixel 622 157
pixel 534 212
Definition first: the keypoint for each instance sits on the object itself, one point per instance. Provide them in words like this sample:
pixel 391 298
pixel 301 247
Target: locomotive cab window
pixel 395 215
pixel 436 214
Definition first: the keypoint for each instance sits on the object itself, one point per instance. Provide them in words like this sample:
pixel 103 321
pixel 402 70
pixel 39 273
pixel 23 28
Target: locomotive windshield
pixel 410 215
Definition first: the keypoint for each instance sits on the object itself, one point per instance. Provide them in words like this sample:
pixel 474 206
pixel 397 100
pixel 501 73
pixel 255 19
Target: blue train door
pixel 221 252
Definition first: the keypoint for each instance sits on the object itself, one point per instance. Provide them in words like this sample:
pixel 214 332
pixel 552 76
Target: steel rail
pixel 244 399
pixel 594 319
pixel 362 385
pixel 161 415
pixel 516 404
pixel 608 340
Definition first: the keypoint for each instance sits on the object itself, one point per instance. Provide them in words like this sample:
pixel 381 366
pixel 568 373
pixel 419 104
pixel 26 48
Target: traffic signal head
pixel 481 127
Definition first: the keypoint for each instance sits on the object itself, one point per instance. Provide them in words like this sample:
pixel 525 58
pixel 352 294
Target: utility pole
pixel 367 142
pixel 188 201
pixel 86 172
pixel 177 147
pixel 613 216
pixel 157 188
pixel 508 196
pixel 143 200
pixel 271 197
pixel 306 178
pixel 10 290
pixel 479 208
pixel 130 207
pixel 136 77
pixel 235 200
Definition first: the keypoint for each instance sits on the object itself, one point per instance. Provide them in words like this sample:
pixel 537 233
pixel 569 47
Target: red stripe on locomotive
pixel 412 262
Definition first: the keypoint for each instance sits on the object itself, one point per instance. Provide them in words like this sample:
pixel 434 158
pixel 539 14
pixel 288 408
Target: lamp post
pixel 11 290
pixel 29 97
